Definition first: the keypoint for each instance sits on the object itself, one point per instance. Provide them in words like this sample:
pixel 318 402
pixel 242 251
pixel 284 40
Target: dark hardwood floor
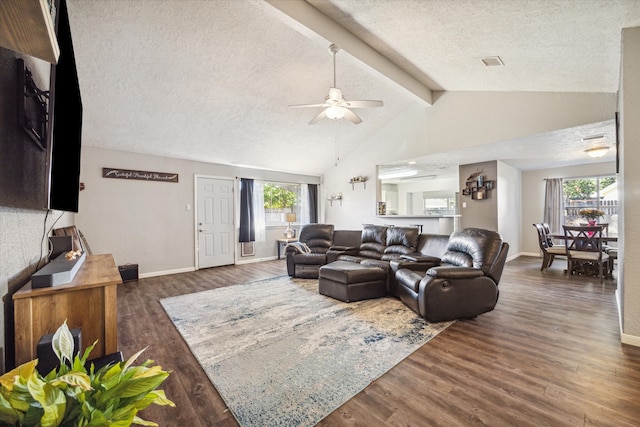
pixel 548 355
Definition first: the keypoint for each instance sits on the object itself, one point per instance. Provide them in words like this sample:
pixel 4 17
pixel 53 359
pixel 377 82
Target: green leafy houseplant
pixel 592 214
pixel 74 396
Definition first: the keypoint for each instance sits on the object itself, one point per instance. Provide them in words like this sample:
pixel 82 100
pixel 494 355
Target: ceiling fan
pixel 335 106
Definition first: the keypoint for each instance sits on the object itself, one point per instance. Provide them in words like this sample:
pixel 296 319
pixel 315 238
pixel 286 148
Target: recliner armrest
pixel 454 272
pixel 421 266
pixel 420 258
pixel 335 251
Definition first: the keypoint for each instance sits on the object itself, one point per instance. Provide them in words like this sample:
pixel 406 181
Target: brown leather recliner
pixel 466 282
pixel 318 238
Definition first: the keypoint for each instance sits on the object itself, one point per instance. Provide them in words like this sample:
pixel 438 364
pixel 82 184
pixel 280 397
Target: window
pixel 599 192
pixel 439 202
pixel 281 198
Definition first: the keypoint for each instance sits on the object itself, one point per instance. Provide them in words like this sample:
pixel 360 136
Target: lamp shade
pixel 289 217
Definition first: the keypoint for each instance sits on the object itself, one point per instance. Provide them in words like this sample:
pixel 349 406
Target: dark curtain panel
pixel 313 203
pixel 247 224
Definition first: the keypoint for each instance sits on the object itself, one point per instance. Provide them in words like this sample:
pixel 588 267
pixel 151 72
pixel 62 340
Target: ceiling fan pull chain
pixel 337 146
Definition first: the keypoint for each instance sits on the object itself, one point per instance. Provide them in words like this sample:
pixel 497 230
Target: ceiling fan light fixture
pixel 596 152
pixel 335 113
pixel 335 106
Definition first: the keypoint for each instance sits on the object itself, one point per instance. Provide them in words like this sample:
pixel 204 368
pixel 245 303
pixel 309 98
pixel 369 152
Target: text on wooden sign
pixel 139 175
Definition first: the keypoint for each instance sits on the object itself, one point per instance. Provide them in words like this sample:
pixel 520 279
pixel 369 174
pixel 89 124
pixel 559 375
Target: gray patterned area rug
pixel 280 354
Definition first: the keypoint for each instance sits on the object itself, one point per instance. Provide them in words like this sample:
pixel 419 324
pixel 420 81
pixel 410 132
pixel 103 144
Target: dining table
pixel 611 238
pixel 605 239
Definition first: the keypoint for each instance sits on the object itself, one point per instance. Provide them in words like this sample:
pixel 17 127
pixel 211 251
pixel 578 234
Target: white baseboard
pixel 625 338
pixel 190 269
pixel 533 254
pixel 252 260
pixel 519 254
pixel 164 273
pixel 629 339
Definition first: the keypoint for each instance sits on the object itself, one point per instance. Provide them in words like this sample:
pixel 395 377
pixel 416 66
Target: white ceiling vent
pixel 492 61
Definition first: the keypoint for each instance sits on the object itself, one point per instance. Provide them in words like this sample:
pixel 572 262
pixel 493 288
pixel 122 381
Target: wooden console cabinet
pixel 89 302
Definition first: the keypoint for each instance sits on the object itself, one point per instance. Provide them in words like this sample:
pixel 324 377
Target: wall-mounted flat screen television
pixel 40 145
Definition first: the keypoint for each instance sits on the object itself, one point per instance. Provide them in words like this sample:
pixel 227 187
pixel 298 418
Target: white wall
pixel 629 289
pixel 23 245
pixel 147 222
pixel 510 206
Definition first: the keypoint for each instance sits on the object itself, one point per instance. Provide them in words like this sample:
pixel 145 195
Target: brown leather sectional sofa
pixel 440 277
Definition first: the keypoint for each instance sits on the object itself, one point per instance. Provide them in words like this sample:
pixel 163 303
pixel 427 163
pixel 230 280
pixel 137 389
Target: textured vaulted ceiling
pixel 211 80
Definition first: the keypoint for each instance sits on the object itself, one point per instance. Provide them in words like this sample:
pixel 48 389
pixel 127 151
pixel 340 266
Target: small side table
pixel 281 243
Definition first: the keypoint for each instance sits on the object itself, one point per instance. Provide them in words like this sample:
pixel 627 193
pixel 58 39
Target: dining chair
pixel 605 227
pixel 584 246
pixel 548 249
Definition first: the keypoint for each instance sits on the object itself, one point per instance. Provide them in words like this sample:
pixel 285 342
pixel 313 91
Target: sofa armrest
pixel 420 258
pixel 409 279
pixel 454 272
pixel 420 266
pixel 335 251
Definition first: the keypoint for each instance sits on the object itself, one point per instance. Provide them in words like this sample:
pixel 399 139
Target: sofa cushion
pixel 391 257
pixel 318 237
pixel 317 246
pixel 401 240
pixel 374 240
pixel 347 238
pixel 434 245
pixel 473 247
pixel 299 247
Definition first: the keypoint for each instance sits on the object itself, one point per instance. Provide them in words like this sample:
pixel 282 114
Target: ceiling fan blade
pixel 320 116
pixel 364 104
pixel 309 105
pixel 352 117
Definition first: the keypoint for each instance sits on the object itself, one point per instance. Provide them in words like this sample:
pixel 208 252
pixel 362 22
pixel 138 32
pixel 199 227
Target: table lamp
pixel 289 218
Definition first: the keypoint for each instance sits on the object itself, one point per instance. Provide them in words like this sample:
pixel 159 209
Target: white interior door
pixel 215 228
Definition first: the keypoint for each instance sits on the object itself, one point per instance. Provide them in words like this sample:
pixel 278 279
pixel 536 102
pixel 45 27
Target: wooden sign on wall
pixel 139 175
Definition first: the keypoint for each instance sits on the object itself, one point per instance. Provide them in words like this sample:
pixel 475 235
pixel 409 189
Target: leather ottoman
pixel 350 281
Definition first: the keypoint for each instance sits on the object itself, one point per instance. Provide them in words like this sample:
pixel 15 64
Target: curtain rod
pixel 585 176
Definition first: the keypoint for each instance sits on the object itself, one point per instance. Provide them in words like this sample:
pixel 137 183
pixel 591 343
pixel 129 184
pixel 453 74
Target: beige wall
pixel 533 187
pixel 147 223
pixel 479 213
